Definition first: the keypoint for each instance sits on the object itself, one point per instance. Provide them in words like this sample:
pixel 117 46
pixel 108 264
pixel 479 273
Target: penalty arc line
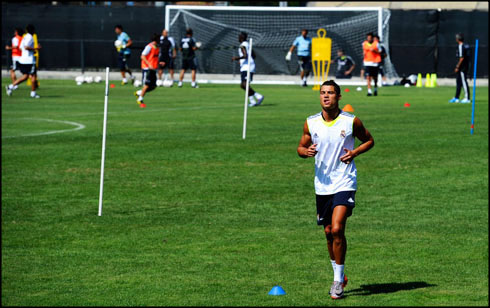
pixel 79 126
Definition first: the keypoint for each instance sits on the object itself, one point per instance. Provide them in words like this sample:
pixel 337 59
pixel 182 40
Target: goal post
pixel 273 30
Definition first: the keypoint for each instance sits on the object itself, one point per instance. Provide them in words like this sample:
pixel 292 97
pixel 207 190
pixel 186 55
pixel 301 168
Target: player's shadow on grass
pixel 378 288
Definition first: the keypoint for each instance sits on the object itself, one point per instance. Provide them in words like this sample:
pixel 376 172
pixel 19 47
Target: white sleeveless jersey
pixel 244 62
pixel 332 175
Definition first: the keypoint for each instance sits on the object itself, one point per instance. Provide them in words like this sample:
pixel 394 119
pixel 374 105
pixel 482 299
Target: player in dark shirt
pixel 461 70
pixel 345 65
pixel 187 46
pixel 167 55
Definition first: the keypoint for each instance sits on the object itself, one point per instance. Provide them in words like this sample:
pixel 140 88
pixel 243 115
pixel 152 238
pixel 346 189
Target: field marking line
pixel 79 126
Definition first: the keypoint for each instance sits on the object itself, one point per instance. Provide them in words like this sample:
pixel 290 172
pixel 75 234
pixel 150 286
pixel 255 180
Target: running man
pixel 187 46
pixel 123 53
pixel 16 52
pixel 303 43
pixel 149 65
pixel 329 137
pixel 372 59
pixel 168 52
pixel 27 63
pixel 243 51
pixel 461 70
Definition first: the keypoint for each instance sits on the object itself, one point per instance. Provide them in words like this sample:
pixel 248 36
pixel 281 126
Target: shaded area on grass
pixel 377 288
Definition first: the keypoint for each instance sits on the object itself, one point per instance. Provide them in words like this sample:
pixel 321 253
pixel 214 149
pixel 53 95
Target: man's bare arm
pixel 305 148
pixel 367 142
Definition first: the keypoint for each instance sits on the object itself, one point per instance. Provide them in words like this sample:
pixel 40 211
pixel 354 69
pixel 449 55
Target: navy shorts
pixel 243 76
pixel 27 69
pixel 189 64
pixel 149 78
pixel 169 63
pixel 372 71
pixel 304 63
pixel 326 203
pixel 122 61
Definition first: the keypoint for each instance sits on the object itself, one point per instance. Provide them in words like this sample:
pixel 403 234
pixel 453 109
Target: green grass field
pixel 194 215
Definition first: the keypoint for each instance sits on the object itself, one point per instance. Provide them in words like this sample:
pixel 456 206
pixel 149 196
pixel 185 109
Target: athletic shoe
pixel 135 94
pixel 454 100
pixel 36 96
pixel 304 84
pixel 336 291
pixel 375 93
pixel 180 84
pixel 344 284
pixel 9 91
pixel 259 100
pixel 464 101
pixel 369 94
pixel 195 86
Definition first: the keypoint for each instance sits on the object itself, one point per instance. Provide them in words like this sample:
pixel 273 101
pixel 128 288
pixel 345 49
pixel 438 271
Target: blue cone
pixel 277 290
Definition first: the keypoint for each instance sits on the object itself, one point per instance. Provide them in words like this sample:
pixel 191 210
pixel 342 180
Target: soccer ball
pixel 117 43
pixel 137 83
pixel 168 83
pixel 97 79
pixel 79 80
pixel 407 85
pixel 89 79
pixel 359 89
pixel 159 83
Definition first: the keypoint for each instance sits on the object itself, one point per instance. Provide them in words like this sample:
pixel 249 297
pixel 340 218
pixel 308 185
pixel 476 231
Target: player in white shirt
pixel 27 63
pixel 329 137
pixel 254 98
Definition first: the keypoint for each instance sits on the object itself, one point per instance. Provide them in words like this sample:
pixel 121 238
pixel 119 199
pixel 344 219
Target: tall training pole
pixel 101 193
pixel 474 89
pixel 249 55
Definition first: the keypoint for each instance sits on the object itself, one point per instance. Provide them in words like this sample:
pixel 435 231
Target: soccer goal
pixel 273 30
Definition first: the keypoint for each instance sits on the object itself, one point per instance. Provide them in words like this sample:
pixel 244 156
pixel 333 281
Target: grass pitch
pixel 194 215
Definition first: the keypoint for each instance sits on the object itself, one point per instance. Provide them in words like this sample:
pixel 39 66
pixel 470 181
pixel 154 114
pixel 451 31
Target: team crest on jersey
pixel 342 133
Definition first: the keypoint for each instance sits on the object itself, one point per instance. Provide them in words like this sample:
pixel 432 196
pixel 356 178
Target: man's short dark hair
pixel 331 83
pixel 376 36
pixel 370 34
pixel 188 31
pixel 460 37
pixel 30 29
pixel 119 27
pixel 19 30
pixel 304 29
pixel 155 37
pixel 243 35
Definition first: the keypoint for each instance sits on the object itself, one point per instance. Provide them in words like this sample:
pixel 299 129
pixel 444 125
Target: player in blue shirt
pixel 122 45
pixel 303 45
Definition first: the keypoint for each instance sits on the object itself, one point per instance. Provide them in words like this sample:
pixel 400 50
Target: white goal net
pixel 273 30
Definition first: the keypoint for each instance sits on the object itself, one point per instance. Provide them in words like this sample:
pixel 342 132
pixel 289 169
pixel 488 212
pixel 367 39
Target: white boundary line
pixel 78 127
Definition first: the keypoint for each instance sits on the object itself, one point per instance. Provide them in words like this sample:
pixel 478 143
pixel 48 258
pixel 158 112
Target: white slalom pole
pixel 101 193
pixel 249 55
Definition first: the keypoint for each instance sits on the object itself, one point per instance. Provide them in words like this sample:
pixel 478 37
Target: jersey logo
pixel 350 200
pixel 342 133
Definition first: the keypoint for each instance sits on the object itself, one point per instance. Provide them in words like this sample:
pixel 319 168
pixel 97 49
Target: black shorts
pixel 189 64
pixel 326 203
pixel 243 75
pixel 372 71
pixel 122 61
pixel 149 77
pixel 304 63
pixel 169 63
pixel 27 69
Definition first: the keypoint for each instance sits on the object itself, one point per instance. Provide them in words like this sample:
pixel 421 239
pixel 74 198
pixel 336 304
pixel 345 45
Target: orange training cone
pixel 348 108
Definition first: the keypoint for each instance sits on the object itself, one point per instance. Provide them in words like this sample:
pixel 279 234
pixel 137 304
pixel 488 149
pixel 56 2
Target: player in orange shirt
pixel 149 66
pixel 16 52
pixel 372 59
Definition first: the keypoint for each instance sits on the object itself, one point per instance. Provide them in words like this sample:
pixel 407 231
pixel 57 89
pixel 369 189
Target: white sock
pixel 125 80
pixel 251 99
pixel 140 98
pixel 138 92
pixel 258 95
pixel 11 86
pixel 333 265
pixel 304 78
pixel 369 90
pixel 339 273
pixel 33 93
pixel 193 83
